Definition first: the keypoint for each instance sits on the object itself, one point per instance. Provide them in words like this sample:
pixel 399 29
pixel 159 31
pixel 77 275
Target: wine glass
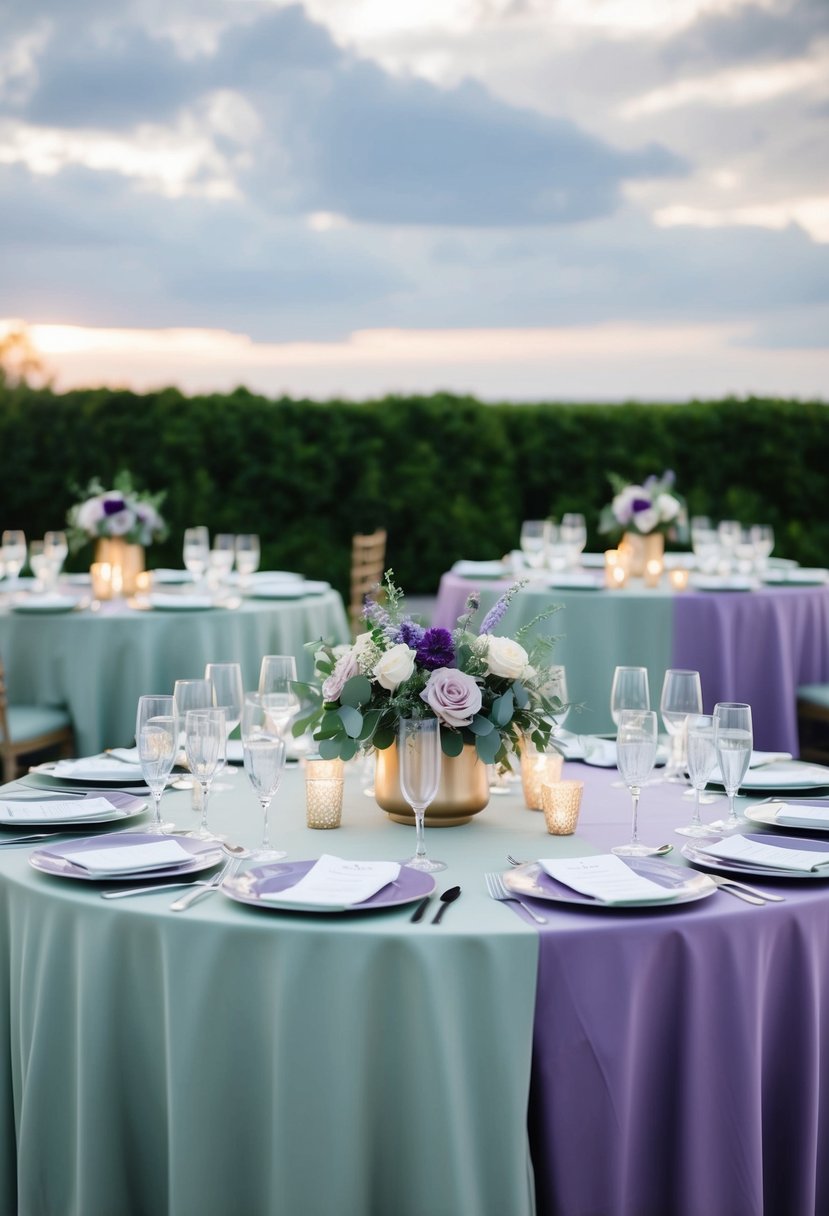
pixel 264 751
pixel 196 551
pixel 247 553
pixel 733 740
pixel 762 538
pixel 681 696
pixel 56 548
pixel 702 759
pixel 229 695
pixel 14 551
pixel 555 686
pixel 191 694
pixel 156 733
pixel 39 564
pixel 629 690
pixel 221 557
pixel 205 742
pixel 535 539
pixel 635 755
pixel 277 675
pixel 573 534
pixel 419 754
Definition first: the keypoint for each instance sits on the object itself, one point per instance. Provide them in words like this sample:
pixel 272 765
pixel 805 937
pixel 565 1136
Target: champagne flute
pixel 681 696
pixel 629 690
pixel 277 676
pixel 205 741
pixel 419 756
pixel 14 551
pixel 264 761
pixel 229 694
pixel 56 548
pixel 196 551
pixel 635 755
pixel 762 538
pixel 733 740
pixel 191 694
pixel 247 557
pixel 702 759
pixel 156 733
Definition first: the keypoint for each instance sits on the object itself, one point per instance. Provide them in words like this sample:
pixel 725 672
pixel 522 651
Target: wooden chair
pixel 813 722
pixel 28 729
pixel 368 555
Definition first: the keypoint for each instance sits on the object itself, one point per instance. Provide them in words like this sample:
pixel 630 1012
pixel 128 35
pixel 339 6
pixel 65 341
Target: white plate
pixel 123 774
pixel 722 864
pixel 469 569
pixel 720 582
pixel 287 590
pixel 681 886
pixel 574 581
pixel 172 577
pixel 766 815
pixel 124 806
pixel 802 576
pixel 46 603
pixel 180 603
pixel 788 775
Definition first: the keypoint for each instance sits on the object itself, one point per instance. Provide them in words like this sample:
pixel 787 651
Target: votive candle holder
pixel 324 784
pixel 561 803
pixel 679 578
pixel 537 770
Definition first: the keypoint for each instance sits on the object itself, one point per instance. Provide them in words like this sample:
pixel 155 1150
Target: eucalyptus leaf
pixel 481 725
pixel 331 725
pixel 384 737
pixel 329 749
pixel 370 721
pixel 352 720
pixel 502 708
pixel 488 747
pixel 451 742
pixel 356 692
pixel 522 697
pixel 348 749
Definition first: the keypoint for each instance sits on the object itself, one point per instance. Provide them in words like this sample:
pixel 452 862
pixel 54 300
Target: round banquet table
pixel 753 646
pixel 98 663
pixel 230 1059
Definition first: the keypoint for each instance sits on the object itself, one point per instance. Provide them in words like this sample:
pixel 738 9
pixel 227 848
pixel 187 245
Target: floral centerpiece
pixel 121 513
pixel 651 508
pixel 485 690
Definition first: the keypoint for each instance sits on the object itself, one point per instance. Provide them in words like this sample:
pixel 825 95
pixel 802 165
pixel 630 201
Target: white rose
pixel 395 666
pixel 668 507
pixel 504 657
pixel 646 520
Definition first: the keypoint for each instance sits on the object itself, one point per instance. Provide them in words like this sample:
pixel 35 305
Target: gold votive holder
pixel 101 576
pixel 679 578
pixel 537 770
pixel 653 572
pixel 615 568
pixel 324 784
pixel 561 803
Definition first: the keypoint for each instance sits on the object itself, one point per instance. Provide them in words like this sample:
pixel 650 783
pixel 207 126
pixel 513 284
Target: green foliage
pixel 447 476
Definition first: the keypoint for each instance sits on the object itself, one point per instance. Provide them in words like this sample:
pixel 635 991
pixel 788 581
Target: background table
pixel 231 1060
pixel 97 664
pixel 756 646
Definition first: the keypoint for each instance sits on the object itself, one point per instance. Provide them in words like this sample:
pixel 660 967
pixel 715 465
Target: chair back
pixel 368 555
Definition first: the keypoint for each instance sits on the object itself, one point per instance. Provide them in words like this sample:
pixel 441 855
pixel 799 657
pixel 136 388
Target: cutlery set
pixel 448 897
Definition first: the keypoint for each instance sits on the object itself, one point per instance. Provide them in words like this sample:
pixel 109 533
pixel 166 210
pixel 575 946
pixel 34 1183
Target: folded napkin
pixel 800 815
pixel 782 774
pixel 57 810
pixel 766 856
pixel 595 750
pixel 607 878
pixel 109 765
pixel 335 882
pixel 144 858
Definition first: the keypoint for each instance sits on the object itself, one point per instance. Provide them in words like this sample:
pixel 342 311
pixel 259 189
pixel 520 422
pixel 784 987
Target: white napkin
pixel 129 858
pixel 800 816
pixel 768 856
pixel 607 878
pixel 335 882
pixel 785 774
pixel 103 766
pixel 592 749
pixel 60 810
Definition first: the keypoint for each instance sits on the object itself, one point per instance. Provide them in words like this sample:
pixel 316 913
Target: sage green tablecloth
pixel 227 1060
pixel 97 664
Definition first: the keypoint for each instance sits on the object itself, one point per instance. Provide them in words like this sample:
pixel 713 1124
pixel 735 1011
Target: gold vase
pixel 642 549
pixel 463 789
pixel 125 563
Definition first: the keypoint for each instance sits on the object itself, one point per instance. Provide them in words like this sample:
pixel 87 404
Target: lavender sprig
pixel 499 608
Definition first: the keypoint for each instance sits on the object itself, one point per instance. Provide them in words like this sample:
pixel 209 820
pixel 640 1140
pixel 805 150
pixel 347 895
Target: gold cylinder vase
pixel 463 789
pixel 642 549
pixel 125 563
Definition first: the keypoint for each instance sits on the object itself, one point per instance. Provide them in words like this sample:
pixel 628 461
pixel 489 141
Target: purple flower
pixel 435 649
pixel 641 504
pixel 499 608
pixel 112 505
pixel 410 633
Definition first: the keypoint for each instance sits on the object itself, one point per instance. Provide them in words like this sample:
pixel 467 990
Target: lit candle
pixel 615 568
pixel 679 579
pixel 143 581
pixel 537 770
pixel 117 579
pixel 653 572
pixel 101 575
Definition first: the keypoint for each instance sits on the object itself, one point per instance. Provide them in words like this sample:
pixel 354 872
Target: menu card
pixel 607 878
pixel 62 810
pixel 768 856
pixel 128 858
pixel 801 814
pixel 335 882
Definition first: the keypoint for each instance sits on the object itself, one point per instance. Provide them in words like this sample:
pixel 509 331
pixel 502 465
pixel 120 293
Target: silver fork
pixel 497 890
pixel 742 890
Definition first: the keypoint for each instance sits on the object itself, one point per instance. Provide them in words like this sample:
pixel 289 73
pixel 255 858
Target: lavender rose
pixel 453 696
pixel 345 667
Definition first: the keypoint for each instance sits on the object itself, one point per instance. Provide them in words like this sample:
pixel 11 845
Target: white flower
pixel 395 666
pixel 668 507
pixel 504 657
pixel 120 523
pixel 646 520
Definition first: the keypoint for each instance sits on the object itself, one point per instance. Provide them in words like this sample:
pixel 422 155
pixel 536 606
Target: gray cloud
pixel 750 33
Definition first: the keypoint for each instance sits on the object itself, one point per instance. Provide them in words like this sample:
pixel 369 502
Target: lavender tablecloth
pixel 753 646
pixel 679 1063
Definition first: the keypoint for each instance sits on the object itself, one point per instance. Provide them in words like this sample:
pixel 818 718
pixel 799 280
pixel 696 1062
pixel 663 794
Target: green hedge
pixel 448 476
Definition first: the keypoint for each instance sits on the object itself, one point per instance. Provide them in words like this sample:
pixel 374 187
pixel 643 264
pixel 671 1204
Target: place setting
pixel 133 856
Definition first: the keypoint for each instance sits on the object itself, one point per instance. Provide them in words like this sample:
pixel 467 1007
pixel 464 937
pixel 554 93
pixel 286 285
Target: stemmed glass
pixel 248 556
pixel 221 557
pixel 196 552
pixel 419 755
pixel 39 564
pixel 56 549
pixel 205 741
pixel 535 539
pixel 156 733
pixel 573 534
pixel 277 676
pixel 14 551
pixel 635 755
pixel 629 690
pixel 762 538
pixel 681 696
pixel 702 758
pixel 229 695
pixel 191 694
pixel 733 739
pixel 264 761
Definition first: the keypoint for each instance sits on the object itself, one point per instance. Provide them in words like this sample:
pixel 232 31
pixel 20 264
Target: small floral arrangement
pixel 484 689
pixel 652 507
pixel 120 512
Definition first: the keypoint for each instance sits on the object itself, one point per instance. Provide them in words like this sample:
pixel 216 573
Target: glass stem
pixel 157 801
pixel 205 793
pixel 634 796
pixel 732 814
pixel 697 819
pixel 420 844
pixel 266 802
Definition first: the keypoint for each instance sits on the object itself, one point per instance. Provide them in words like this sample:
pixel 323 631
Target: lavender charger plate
pixel 54 860
pixel 125 806
pixel 250 887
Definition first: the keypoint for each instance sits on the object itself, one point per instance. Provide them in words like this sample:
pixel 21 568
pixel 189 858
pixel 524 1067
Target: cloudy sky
pixel 520 198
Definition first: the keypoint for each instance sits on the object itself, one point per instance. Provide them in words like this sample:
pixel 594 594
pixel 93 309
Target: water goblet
pixel 733 739
pixel 681 696
pixel 419 755
pixel 14 551
pixel 191 694
pixel 196 551
pixel 573 534
pixel 628 690
pixel 229 694
pixel 534 542
pixel 156 733
pixel 221 558
pixel 56 549
pixel 264 752
pixel 635 755
pixel 277 676
pixel 248 555
pixel 762 538
pixel 205 742
pixel 39 564
pixel 702 759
